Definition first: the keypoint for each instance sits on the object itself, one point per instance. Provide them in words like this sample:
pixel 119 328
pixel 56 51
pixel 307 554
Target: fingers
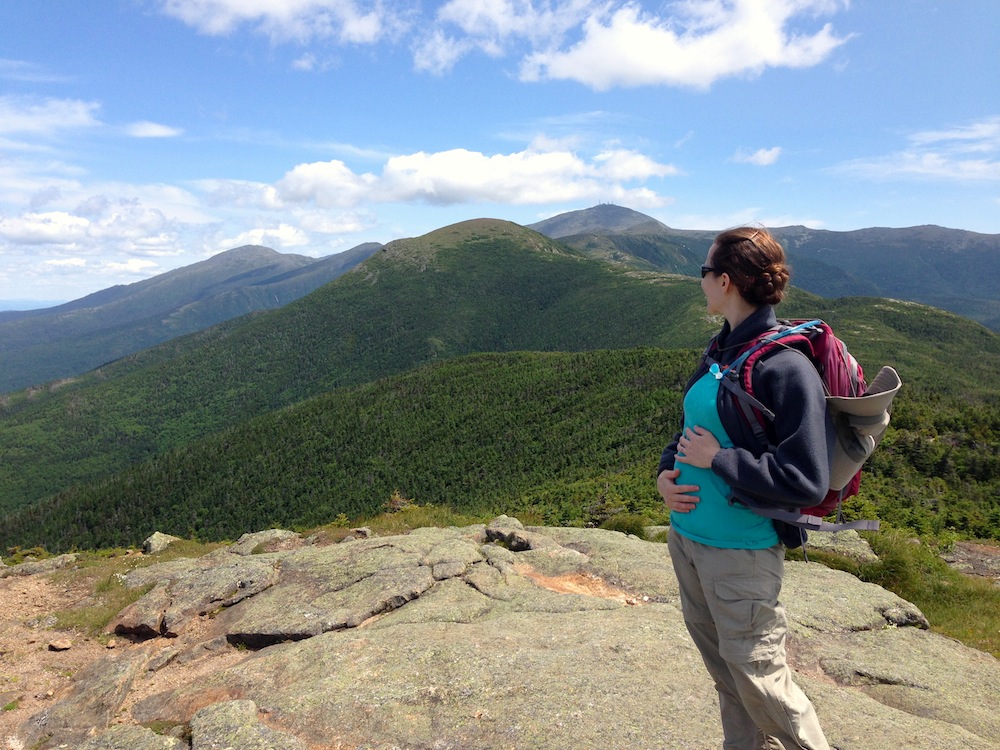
pixel 682 504
pixel 685 440
pixel 677 497
pixel 691 435
pixel 665 483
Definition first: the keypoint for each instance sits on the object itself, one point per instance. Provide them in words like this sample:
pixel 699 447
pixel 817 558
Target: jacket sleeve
pixel 795 472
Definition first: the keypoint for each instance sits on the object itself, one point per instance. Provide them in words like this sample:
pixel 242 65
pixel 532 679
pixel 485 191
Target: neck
pixel 738 311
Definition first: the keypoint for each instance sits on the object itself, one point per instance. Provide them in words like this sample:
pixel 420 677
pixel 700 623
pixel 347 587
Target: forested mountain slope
pixel 565 438
pixel 37 346
pixel 479 286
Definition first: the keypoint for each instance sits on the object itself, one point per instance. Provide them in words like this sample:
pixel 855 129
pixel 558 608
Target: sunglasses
pixel 706 270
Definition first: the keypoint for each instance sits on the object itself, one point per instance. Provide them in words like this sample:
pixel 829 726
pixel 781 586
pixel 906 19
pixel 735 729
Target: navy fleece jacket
pixel 796 474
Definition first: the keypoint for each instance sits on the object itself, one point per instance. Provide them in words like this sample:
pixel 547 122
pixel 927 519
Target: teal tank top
pixel 715 521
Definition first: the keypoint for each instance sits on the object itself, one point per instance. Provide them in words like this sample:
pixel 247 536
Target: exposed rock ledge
pixel 492 637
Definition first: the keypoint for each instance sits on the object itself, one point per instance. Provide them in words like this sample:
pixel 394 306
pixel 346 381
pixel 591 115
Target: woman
pixel 729 561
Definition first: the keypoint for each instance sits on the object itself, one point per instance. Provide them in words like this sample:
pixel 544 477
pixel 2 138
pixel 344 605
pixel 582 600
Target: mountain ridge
pixel 951 269
pixel 954 269
pixel 491 292
pixel 605 217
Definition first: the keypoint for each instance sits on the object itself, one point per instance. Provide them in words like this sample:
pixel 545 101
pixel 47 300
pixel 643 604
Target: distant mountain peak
pixel 603 218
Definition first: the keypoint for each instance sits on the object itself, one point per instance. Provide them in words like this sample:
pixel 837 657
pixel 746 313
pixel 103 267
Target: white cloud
pixel 705 41
pixel 54 216
pixel 762 157
pixel 44 116
pixel 967 153
pixel 460 176
pixel 328 184
pixel 929 165
pixel 494 21
pixel 302 20
pixel 45 228
pixel 538 174
pixel 306 62
pixel 86 240
pixel 486 18
pixel 36 184
pixel 310 62
pixel 621 164
pixel 323 222
pixel 66 262
pixel 96 225
pixel 977 136
pixel 438 53
pixel 147 129
pixel 599 43
pixel 495 27
pixel 239 194
pixel 127 220
pixel 92 200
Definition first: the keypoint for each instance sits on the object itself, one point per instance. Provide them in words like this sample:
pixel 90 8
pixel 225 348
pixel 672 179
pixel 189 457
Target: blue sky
pixel 137 136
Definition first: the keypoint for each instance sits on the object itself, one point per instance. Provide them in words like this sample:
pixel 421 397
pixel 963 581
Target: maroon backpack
pixel 842 376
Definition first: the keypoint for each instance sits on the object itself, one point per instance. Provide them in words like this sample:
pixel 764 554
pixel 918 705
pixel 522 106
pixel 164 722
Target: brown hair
pixel 755 261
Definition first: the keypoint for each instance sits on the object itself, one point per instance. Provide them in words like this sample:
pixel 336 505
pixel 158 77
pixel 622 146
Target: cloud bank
pixel 600 44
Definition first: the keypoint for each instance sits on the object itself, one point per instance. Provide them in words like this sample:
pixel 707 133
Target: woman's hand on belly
pixel 697 447
pixel 679 498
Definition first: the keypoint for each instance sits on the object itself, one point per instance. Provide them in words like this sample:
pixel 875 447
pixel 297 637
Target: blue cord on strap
pixel 737 363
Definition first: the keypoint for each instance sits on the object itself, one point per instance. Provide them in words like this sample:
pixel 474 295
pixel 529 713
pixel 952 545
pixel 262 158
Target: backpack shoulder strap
pixel 765 341
pixel 737 376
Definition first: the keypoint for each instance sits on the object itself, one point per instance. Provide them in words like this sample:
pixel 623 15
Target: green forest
pixel 571 438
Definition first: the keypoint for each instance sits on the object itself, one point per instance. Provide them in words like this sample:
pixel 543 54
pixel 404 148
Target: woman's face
pixel 713 286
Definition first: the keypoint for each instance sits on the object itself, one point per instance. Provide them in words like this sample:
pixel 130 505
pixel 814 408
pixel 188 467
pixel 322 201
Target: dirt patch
pixel 578 583
pixel 32 676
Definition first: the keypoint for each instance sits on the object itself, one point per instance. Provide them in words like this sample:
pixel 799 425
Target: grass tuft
pixel 415 516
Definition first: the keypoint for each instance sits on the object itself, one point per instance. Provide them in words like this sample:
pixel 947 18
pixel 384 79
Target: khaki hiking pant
pixel 730 602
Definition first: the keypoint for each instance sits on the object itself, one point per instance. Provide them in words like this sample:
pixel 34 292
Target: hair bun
pixel 769 285
pixel 756 263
